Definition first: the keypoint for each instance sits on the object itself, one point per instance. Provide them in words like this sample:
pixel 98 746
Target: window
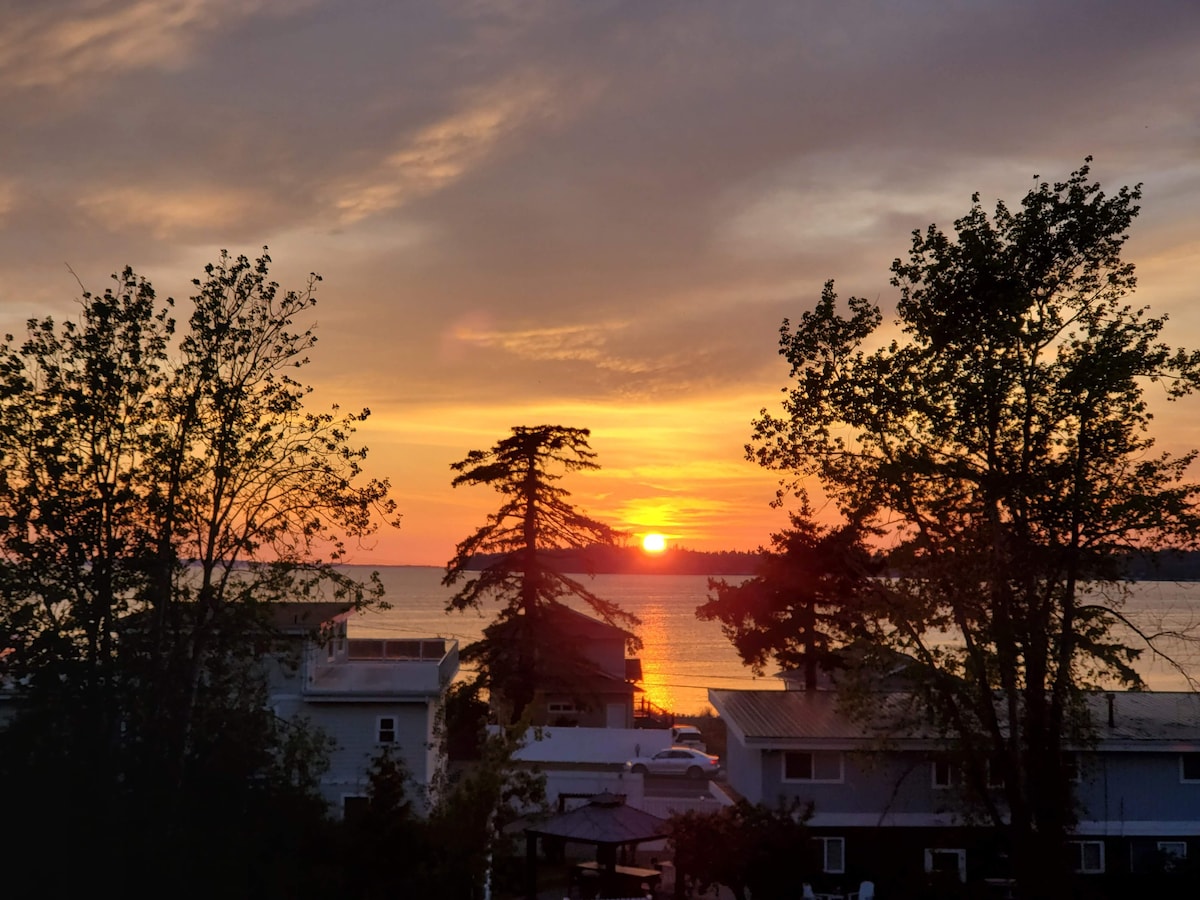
pixel 387 730
pixel 947 862
pixel 1189 766
pixel 1172 853
pixel 1087 857
pixel 558 707
pixel 995 773
pixel 815 766
pixel 833 855
pixel 945 774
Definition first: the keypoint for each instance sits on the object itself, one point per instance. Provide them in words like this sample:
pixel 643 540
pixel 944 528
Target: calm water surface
pixel 682 657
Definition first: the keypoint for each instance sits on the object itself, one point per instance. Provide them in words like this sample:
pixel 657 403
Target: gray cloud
pixel 544 202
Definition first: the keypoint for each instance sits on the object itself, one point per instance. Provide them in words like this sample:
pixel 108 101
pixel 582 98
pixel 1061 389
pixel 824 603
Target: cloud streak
pixel 594 213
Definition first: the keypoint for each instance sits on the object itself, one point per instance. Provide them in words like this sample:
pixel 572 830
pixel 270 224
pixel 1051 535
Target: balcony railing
pixel 424 649
pixel 382 668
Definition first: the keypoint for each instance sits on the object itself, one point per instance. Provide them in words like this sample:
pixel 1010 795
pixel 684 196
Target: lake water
pixel 682 656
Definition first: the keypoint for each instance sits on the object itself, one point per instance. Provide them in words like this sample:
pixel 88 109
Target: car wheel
pixel 638 770
pixel 694 772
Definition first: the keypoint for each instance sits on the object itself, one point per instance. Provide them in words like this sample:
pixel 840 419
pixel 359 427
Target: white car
pixel 676 761
pixel 688 736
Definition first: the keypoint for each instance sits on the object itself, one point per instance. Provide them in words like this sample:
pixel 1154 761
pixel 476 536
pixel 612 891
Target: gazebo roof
pixel 605 819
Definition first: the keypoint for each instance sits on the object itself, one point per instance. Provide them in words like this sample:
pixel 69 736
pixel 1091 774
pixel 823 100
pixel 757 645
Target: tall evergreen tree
pixel 800 606
pixel 523 648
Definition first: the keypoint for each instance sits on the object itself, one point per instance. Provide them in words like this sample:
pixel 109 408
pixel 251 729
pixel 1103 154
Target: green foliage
pixel 997 435
pixel 470 818
pixel 158 490
pixel 392 852
pixel 749 848
pixel 523 648
pixel 800 605
pixel 464 721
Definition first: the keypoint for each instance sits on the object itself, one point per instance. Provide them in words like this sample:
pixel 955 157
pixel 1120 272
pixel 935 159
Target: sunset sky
pixel 576 212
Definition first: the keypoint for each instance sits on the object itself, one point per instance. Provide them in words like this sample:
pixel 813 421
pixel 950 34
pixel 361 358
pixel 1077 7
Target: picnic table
pixel 627 881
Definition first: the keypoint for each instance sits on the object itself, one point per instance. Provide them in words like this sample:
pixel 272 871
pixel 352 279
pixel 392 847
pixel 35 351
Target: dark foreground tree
pixel 799 609
pixel 523 649
pixel 751 849
pixel 463 844
pixel 998 434
pixel 157 492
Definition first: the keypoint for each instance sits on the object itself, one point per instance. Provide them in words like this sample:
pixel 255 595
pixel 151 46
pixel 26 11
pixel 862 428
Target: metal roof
pixel 1145 719
pixel 786 715
pixel 604 820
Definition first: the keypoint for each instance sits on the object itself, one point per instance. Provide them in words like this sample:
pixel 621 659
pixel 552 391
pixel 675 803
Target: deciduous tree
pixel 751 849
pixel 998 433
pixel 157 492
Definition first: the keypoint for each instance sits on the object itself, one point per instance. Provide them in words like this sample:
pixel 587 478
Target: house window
pixel 995 773
pixel 387 730
pixel 1087 857
pixel 945 773
pixel 942 861
pixel 1172 853
pixel 562 707
pixel 833 855
pixel 815 766
pixel 1189 766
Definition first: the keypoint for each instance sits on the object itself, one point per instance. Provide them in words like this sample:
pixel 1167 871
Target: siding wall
pixel 1120 793
pixel 743 770
pixel 354 727
pixel 1132 787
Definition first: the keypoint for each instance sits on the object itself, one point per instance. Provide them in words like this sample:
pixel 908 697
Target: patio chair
pixel 808 892
pixel 866 891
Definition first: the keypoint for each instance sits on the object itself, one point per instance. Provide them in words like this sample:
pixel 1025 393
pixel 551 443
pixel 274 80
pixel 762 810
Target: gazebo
pixel 607 823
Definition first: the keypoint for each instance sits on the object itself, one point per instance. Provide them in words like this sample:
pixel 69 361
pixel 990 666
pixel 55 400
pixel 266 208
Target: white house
pixel 367 693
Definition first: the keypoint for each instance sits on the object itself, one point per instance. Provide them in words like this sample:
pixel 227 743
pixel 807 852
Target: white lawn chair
pixel 866 891
pixel 808 892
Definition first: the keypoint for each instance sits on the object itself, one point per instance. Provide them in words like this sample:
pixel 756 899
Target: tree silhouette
pixel 998 436
pixel 524 647
pixel 157 492
pixel 801 605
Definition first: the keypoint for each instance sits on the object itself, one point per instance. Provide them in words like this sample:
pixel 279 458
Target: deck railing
pixel 422 666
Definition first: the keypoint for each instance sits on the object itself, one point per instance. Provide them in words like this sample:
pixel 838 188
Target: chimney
pixel 1112 717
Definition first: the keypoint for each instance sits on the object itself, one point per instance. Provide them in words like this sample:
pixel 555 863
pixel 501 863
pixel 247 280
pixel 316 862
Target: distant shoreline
pixel 1164 566
pixel 636 561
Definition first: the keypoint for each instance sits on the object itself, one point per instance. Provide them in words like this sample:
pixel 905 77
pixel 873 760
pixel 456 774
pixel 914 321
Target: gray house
pixel 891 811
pixel 367 693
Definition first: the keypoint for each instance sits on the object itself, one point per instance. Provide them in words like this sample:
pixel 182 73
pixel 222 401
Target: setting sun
pixel 654 543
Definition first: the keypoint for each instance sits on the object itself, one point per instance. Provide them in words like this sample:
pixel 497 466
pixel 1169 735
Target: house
pixel 603 696
pixel 368 694
pixel 889 811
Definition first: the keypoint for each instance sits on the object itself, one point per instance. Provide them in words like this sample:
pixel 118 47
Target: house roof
pixel 578 624
pixel 1147 716
pixel 300 617
pixel 786 716
pixel 1140 720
